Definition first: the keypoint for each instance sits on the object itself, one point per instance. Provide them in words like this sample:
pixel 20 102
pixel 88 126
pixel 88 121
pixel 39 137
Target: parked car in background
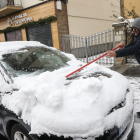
pixel 38 102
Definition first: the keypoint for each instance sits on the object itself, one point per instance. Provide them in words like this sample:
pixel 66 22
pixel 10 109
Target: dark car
pixel 29 112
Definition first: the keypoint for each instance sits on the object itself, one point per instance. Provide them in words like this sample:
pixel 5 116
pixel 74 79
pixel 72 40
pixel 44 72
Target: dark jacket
pixel 133 48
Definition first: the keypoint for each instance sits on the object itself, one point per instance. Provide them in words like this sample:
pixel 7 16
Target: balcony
pixel 9 6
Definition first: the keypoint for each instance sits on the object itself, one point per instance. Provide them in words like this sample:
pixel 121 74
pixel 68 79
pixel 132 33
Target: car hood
pixel 74 106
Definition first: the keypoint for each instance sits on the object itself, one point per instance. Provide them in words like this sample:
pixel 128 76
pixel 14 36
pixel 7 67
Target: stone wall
pixel 120 36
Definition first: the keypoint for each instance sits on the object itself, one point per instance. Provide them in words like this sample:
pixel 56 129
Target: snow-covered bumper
pixel 124 132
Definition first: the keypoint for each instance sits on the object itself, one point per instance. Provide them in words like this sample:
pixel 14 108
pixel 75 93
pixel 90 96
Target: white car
pixel 39 102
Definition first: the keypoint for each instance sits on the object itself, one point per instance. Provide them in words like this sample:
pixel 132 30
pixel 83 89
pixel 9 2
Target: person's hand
pixel 110 54
pixel 122 45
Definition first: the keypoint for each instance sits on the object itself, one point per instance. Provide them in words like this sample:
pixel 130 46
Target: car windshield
pixel 34 59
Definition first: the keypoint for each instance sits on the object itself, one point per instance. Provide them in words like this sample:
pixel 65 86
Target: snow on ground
pixel 135 84
pixel 136 131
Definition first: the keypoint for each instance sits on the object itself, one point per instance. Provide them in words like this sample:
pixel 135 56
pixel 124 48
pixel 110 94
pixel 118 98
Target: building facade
pixel 77 17
pixel 12 25
pixel 129 5
pixel 87 17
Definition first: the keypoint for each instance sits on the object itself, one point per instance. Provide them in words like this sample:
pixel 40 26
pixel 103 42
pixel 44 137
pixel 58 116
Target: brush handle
pixel 91 62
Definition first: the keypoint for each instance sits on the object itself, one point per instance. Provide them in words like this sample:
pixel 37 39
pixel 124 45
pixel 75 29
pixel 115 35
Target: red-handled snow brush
pixel 91 62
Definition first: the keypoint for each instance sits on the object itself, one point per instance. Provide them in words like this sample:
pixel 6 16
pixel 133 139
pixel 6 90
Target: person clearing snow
pixel 133 48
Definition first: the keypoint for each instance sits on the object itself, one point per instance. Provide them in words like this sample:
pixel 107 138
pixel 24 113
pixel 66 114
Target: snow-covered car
pixel 38 102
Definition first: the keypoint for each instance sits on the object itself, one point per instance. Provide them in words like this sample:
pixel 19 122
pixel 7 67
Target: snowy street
pixel 135 83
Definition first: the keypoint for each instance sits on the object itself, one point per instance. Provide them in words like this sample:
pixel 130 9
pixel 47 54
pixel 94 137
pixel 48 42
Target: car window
pixel 34 59
pixel 4 86
pixel 7 77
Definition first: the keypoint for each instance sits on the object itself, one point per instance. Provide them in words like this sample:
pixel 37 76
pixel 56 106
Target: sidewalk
pixel 132 73
pixel 128 70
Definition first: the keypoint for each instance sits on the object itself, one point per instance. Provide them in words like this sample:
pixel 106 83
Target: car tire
pixel 18 132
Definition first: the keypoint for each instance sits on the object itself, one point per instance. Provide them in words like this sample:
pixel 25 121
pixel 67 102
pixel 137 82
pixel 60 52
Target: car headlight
pixel 120 105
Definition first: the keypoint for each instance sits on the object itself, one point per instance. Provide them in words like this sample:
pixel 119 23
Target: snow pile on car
pixel 54 105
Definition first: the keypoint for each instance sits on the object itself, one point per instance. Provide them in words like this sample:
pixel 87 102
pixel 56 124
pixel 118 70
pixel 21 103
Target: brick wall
pixel 62 21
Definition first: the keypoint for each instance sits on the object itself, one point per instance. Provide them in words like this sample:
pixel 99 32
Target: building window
pixel 41 33
pixel 13 36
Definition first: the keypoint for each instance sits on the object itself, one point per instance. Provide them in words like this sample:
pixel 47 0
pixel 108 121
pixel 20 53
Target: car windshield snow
pixel 34 59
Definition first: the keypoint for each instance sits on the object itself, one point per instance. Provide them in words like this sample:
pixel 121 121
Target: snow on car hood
pixel 51 104
pixel 77 109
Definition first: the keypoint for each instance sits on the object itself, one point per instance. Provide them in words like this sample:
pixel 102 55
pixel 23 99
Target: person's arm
pixel 131 50
pixel 121 52
pixel 126 46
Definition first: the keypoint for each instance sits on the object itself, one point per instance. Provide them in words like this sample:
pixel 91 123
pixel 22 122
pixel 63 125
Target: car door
pixel 8 117
pixel 5 88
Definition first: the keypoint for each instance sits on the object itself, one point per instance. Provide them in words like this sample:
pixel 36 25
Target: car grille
pixel 112 134
pixel 52 137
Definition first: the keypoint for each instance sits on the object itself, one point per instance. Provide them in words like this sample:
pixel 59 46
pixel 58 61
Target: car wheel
pixel 18 132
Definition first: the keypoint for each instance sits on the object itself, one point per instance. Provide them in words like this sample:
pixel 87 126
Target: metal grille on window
pixel 41 33
pixel 13 36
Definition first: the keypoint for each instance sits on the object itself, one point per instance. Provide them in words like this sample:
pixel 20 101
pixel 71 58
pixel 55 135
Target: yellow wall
pixel 87 17
pixel 2 37
pixel 128 4
pixel 23 32
pixel 41 11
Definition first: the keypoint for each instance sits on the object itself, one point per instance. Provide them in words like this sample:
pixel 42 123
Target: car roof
pixel 6 47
